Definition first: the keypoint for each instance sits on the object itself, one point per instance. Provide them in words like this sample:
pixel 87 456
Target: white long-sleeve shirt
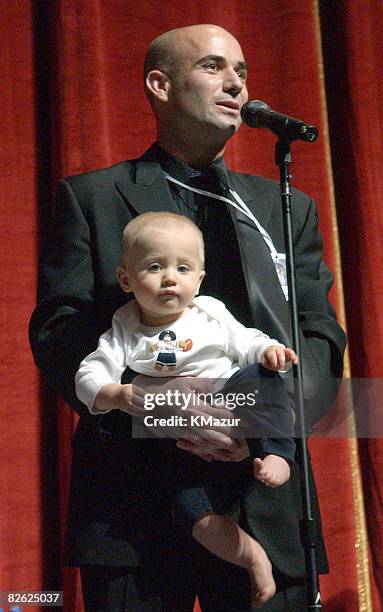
pixel 208 342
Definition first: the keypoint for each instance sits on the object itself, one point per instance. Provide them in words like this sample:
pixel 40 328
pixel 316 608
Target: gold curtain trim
pixel 361 542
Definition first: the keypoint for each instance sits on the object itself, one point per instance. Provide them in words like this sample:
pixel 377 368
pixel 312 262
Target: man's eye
pixel 242 74
pixel 183 269
pixel 154 267
pixel 211 66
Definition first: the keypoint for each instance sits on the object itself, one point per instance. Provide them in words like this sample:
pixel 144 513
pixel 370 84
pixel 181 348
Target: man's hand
pixel 183 402
pixel 207 450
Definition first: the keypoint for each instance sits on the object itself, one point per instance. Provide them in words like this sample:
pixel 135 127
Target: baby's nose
pixel 169 277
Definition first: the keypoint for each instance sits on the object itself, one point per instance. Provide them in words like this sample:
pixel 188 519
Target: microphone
pixel 257 114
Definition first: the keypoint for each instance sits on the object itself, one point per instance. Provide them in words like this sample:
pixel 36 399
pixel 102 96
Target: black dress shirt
pixel 224 278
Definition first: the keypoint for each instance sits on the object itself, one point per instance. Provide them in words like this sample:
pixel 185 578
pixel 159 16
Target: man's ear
pixel 158 84
pixel 123 279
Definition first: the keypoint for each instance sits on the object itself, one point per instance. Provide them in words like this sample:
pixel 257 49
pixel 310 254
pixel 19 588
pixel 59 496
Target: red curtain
pixel 352 34
pixel 73 100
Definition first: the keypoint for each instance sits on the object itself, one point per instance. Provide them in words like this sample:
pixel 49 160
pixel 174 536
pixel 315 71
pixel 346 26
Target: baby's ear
pixel 123 279
pixel 201 277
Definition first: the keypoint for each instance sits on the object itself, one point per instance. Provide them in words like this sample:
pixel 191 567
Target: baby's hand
pixel 276 357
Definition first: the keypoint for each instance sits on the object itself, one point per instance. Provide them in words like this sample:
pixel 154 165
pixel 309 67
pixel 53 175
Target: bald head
pixel 160 54
pixel 165 51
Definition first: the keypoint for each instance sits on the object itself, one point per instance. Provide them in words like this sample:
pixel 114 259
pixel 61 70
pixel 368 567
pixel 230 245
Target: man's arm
pixel 66 323
pixel 322 339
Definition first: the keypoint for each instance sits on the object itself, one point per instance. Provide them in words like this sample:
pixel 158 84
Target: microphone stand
pixel 307 523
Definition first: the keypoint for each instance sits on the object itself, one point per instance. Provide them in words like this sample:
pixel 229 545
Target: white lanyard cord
pixel 240 205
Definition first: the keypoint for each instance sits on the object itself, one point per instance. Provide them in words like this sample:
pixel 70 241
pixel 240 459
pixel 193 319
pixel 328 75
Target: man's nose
pixel 232 82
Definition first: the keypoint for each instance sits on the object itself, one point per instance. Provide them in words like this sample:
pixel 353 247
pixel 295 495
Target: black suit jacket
pixel 114 501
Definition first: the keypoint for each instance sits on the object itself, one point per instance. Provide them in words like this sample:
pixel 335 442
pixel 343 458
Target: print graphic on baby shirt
pixel 167 345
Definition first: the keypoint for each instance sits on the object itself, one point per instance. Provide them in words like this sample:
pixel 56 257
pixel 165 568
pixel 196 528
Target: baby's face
pixel 164 271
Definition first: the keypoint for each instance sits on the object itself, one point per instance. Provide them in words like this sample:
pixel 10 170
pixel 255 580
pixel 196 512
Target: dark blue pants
pixel 198 487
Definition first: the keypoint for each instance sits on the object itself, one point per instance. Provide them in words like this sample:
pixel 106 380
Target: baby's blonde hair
pixel 157 220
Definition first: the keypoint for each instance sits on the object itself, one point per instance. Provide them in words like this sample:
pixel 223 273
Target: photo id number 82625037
pixel 36 598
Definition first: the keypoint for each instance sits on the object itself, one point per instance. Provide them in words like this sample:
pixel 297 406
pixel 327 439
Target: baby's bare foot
pixel 261 578
pixel 273 471
pixel 221 535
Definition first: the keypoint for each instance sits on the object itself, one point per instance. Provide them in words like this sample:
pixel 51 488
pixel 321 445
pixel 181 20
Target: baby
pixel 168 331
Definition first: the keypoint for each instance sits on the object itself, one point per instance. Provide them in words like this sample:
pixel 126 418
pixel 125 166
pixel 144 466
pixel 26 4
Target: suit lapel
pixel 266 296
pixel 271 311
pixel 149 192
pixel 256 198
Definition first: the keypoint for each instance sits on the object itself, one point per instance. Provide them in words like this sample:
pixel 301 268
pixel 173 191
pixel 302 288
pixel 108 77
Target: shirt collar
pixel 182 171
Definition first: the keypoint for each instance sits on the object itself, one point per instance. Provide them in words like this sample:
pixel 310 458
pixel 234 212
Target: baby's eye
pixel 183 269
pixel 154 267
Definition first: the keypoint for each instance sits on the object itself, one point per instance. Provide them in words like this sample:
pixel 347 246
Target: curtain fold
pixel 73 101
pixel 20 473
pixel 354 68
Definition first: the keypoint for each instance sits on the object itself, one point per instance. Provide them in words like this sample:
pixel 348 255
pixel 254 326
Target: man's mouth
pixel 231 105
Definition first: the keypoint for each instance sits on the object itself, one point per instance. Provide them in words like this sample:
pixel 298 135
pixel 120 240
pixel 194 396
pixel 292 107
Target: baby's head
pixel 163 265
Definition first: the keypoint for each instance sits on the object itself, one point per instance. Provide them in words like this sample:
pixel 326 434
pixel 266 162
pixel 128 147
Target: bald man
pixel 120 529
